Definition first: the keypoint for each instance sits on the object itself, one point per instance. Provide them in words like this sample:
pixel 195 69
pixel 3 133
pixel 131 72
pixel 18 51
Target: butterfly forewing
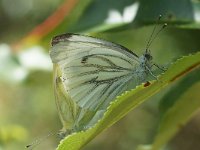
pixel 93 71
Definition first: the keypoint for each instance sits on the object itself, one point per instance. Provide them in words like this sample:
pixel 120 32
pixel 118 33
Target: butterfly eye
pixel 148 56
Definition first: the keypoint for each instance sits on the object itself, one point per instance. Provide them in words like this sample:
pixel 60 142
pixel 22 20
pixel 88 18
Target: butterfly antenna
pixel 150 38
pixel 39 141
pixel 156 35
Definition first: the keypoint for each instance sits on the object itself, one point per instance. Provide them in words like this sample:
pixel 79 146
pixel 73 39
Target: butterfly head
pixel 147 55
pixel 146 59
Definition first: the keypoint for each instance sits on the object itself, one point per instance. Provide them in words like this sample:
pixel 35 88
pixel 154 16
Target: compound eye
pixel 148 56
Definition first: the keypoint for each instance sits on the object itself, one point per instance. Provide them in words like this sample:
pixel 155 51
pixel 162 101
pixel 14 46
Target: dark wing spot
pixel 84 60
pixel 27 146
pixel 58 38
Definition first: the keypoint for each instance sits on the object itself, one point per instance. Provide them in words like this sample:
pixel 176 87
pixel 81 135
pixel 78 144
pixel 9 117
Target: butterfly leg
pixel 63 133
pixel 151 73
pixel 159 67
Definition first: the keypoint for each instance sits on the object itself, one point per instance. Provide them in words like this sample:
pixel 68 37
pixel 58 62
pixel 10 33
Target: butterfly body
pixel 89 73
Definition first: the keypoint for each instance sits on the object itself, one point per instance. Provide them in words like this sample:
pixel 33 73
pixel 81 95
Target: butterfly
pixel 89 73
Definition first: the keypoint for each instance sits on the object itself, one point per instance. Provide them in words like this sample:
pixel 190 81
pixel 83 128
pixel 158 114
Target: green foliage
pixel 13 132
pixel 177 116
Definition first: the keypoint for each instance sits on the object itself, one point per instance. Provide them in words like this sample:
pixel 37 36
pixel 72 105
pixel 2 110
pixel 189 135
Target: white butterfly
pixel 89 73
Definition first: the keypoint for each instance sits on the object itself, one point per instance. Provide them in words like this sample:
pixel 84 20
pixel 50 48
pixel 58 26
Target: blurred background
pixel 27 108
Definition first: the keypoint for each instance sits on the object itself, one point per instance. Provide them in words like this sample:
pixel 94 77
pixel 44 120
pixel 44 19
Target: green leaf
pixel 96 14
pixel 185 105
pixel 195 25
pixel 172 11
pixel 177 13
pixel 129 100
pixel 178 90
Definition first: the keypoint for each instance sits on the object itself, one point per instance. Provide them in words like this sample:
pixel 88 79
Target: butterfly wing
pixel 94 71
